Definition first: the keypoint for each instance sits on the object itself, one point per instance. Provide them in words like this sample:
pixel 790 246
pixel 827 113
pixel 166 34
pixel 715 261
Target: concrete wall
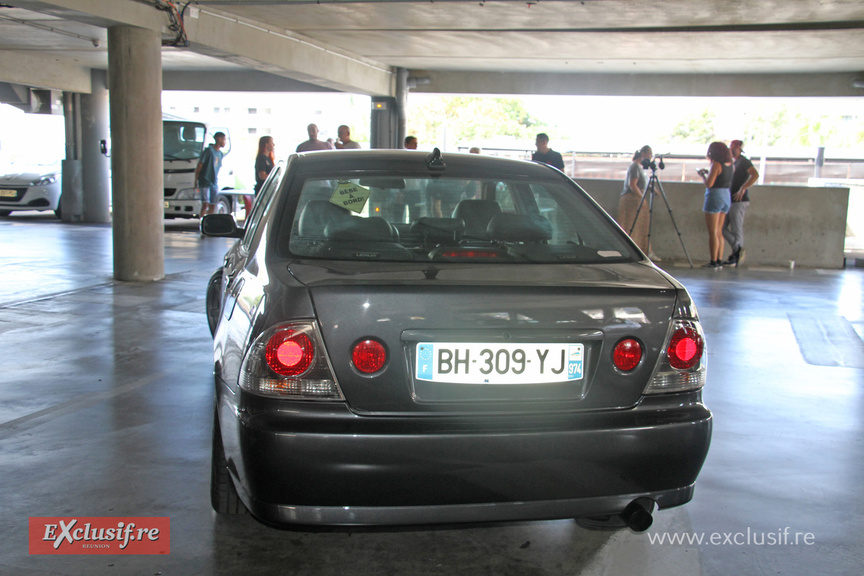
pixel 783 224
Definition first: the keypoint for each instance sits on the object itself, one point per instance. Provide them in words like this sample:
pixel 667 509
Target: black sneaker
pixel 740 257
pixel 733 258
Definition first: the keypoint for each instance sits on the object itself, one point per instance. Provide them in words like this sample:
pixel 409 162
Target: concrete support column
pixel 401 106
pixel 71 204
pixel 135 84
pixel 384 128
pixel 95 165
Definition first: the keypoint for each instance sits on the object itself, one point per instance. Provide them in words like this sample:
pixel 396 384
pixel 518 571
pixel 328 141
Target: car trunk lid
pixel 490 338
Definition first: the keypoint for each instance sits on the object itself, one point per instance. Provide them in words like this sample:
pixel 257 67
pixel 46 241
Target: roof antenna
pixel 434 160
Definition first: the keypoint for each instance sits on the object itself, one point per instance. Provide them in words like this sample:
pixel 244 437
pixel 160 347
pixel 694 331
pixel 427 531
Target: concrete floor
pixel 106 411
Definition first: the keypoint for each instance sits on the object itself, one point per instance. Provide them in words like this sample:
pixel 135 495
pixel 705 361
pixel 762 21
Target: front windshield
pixel 447 219
pixel 182 140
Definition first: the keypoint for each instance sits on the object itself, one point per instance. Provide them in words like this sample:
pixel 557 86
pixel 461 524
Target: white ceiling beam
pixel 40 71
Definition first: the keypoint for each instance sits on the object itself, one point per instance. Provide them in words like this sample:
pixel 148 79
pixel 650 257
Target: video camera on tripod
pixel 646 163
pixel 649 194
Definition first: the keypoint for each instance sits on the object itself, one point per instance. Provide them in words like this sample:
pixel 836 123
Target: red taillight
pixel 685 348
pixel 369 356
pixel 289 352
pixel 627 354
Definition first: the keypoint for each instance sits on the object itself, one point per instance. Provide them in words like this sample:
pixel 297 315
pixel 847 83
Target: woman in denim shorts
pixel 718 199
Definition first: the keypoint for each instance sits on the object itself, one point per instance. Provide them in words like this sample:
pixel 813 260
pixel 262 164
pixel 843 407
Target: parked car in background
pixel 30 188
pixel 403 338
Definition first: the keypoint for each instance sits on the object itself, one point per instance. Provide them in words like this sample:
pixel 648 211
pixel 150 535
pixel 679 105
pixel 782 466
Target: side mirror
pixel 222 225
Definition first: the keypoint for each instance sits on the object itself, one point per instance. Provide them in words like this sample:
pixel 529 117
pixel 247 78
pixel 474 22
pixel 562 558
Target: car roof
pixel 454 163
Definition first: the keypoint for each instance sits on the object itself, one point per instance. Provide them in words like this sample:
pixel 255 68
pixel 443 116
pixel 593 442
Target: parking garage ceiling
pixel 662 47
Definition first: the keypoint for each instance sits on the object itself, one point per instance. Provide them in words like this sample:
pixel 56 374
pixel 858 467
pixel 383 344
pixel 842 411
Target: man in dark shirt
pixel 207 172
pixel 733 229
pixel 545 154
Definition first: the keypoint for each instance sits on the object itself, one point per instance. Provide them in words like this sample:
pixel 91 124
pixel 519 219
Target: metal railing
pixel 682 168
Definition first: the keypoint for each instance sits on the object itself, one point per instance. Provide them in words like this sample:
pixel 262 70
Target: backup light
pixel 684 365
pixel 289 361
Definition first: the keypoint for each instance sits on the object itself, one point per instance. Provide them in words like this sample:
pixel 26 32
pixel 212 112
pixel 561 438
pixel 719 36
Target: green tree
pixel 784 127
pixel 695 129
pixel 467 119
pixel 773 127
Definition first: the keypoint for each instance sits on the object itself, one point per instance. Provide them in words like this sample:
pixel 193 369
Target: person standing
pixel 207 172
pixel 313 143
pixel 545 154
pixel 718 179
pixel 264 162
pixel 635 183
pixel 344 142
pixel 743 177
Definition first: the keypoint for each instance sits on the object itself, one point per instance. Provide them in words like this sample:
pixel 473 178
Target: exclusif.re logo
pixel 100 535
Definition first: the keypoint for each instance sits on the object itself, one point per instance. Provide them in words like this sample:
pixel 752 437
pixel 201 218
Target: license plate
pixel 8 193
pixel 477 363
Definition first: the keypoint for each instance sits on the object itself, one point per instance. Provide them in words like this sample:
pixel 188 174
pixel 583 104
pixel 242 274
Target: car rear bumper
pixel 322 464
pixel 462 513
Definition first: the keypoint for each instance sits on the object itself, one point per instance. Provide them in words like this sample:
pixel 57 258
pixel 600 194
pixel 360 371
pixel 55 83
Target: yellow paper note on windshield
pixel 349 195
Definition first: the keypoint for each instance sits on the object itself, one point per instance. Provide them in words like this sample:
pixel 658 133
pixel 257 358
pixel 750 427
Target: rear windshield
pixel 447 219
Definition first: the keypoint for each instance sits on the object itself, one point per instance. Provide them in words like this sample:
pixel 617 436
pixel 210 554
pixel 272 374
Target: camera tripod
pixel 650 193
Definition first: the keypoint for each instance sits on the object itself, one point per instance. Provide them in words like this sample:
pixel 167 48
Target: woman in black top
pixel 718 199
pixel 263 165
pixel 264 161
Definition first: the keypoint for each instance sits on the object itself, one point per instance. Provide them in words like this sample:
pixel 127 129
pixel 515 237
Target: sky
pixel 31 139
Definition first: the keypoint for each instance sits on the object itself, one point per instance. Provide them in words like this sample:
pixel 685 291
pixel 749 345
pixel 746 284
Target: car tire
pixel 223 494
pixel 214 300
pixel 223 205
pixel 59 211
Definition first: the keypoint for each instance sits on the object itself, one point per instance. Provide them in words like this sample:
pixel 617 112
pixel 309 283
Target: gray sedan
pixel 412 338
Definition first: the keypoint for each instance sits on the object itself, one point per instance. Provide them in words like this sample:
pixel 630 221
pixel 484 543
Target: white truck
pixel 182 143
